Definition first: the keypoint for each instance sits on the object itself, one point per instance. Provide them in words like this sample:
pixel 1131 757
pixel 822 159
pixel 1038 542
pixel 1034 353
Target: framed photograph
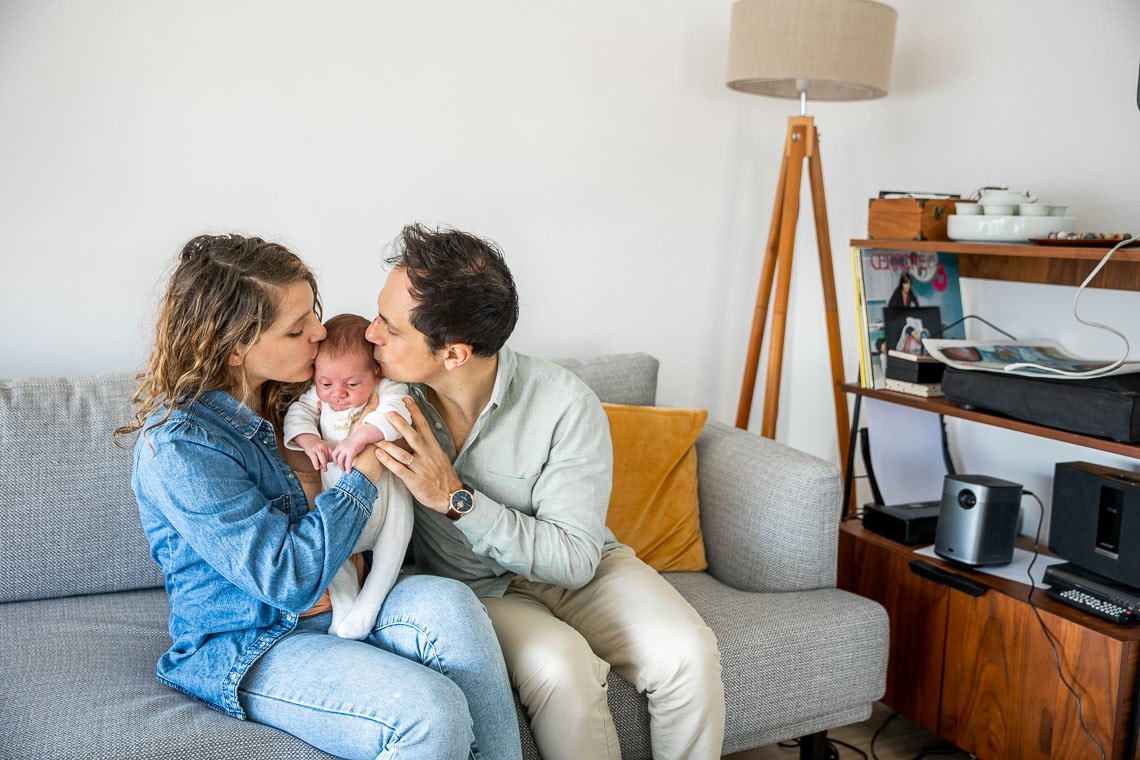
pixel 906 328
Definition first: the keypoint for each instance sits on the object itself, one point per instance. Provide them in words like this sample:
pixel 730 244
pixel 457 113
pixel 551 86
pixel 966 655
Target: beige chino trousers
pixel 559 645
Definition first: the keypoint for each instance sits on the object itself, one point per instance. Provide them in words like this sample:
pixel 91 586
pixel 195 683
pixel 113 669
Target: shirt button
pixel 439 426
pixel 291 476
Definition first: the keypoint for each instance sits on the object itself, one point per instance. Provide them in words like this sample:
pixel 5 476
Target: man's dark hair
pixel 463 289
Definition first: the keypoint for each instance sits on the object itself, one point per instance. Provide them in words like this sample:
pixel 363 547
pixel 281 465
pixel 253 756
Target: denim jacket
pixel 242 554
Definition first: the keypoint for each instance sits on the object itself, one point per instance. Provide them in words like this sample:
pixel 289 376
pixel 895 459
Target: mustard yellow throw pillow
pixel 653 508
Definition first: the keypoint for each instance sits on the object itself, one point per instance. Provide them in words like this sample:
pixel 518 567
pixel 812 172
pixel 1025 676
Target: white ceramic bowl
pixel 1034 209
pixel 1005 196
pixel 1006 229
pixel 1057 210
pixel 967 209
pixel 999 209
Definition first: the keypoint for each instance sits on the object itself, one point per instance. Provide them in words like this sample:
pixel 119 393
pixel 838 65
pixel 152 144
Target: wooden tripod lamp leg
pixel 778 250
pixel 794 150
pixel 830 303
pixel 760 312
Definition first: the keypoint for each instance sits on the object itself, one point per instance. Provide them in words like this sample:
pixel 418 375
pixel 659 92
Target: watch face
pixel 462 502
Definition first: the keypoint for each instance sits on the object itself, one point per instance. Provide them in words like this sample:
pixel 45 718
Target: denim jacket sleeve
pixel 236 503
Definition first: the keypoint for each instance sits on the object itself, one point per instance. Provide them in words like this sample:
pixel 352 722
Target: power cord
pixel 946 749
pixel 1045 630
pixel 1099 371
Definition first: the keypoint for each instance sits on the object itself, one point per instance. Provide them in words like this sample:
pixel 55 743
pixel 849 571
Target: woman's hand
pixel 421 463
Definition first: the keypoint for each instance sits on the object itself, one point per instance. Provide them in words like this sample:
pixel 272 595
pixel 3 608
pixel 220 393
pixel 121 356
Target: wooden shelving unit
pixel 978 671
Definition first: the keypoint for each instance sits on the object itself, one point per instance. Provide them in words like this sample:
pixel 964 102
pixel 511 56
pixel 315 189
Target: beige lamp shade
pixel 829 49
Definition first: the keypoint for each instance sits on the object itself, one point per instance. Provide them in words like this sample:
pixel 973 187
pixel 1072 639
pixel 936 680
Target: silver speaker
pixel 977 520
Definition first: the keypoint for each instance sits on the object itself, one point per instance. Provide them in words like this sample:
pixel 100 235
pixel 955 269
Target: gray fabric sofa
pixel 83 613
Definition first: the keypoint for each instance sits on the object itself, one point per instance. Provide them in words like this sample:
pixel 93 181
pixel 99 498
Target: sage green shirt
pixel 540 461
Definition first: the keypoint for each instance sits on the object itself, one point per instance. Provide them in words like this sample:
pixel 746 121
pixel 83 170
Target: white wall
pixel 596 142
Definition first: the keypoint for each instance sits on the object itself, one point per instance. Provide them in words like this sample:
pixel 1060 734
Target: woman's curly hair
pixel 224 292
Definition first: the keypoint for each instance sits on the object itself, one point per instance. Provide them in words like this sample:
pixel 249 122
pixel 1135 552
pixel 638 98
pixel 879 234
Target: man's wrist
pixel 460 502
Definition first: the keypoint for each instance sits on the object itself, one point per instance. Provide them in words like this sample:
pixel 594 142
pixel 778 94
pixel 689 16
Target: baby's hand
pixel 352 445
pixel 317 448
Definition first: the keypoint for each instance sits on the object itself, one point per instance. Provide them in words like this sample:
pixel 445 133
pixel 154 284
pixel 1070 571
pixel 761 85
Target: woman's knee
pixel 436 598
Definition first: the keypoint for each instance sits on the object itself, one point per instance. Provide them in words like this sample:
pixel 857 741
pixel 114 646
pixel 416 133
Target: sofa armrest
pixel 769 513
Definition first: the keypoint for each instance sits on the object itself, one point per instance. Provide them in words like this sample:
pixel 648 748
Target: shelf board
pixel 941 405
pixel 1028 262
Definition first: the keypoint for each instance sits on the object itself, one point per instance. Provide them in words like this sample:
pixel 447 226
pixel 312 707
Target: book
pixel 861 320
pixel 913 368
pixel 903 279
pixel 928 390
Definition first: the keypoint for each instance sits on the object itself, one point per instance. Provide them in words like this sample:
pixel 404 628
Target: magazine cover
pixel 904 279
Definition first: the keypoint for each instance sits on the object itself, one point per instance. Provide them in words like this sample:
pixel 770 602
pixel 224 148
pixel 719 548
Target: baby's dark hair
pixel 346 335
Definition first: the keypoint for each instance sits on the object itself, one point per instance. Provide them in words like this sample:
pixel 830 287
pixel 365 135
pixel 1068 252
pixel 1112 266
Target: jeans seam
pixel 431 653
pixel 312 706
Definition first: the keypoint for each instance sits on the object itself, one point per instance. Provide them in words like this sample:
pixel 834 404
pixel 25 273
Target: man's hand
pixel 423 465
pixel 317 449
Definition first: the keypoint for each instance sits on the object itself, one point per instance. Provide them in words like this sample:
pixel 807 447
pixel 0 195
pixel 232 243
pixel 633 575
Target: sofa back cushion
pixel 70 523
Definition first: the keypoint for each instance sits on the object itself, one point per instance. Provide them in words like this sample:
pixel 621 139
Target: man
pixel 512 486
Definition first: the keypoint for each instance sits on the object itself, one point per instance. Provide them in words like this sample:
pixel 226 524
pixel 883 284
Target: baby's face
pixel 345 382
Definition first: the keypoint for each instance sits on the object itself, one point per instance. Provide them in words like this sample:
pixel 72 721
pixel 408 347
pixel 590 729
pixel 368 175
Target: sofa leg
pixel 816 747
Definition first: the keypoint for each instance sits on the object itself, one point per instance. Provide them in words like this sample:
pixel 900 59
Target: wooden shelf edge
pixel 944 406
pixel 1029 250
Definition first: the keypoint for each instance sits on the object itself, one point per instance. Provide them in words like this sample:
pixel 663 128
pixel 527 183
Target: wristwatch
pixel 460 503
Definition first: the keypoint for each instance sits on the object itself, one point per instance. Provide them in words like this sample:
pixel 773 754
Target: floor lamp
pixel 822 50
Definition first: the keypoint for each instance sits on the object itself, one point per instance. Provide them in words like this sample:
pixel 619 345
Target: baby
pixel 319 423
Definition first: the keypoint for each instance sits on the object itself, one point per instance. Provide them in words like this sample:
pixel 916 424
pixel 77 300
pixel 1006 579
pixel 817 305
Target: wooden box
pixel 909 218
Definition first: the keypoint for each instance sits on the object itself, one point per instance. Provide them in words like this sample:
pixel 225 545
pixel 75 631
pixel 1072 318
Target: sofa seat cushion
pixel 791 661
pixel 79 682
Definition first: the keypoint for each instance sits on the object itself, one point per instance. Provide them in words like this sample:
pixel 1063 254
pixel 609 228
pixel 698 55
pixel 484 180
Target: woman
pixel 903 295
pixel 247 561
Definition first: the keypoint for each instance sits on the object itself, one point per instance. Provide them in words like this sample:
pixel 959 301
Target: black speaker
pixel 1095 519
pixel 977 520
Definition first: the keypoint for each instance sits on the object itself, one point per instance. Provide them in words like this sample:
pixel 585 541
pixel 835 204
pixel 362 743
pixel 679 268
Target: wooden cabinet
pixel 979 670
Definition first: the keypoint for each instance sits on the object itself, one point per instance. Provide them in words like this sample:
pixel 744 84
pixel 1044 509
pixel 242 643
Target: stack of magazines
pixel 902 298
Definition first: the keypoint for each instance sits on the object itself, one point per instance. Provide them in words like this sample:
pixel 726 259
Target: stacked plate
pixel 1006 229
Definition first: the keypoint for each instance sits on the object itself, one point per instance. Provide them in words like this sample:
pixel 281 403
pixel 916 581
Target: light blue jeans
pixel 428 682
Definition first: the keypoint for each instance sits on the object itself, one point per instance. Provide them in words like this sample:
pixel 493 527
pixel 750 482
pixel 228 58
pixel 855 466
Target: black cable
pixel 851 747
pixel 1048 635
pixel 937 751
pixel 879 730
pixel 943 749
pixel 971 316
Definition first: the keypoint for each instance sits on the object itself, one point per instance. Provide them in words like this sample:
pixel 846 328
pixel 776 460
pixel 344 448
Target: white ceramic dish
pixel 1006 229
